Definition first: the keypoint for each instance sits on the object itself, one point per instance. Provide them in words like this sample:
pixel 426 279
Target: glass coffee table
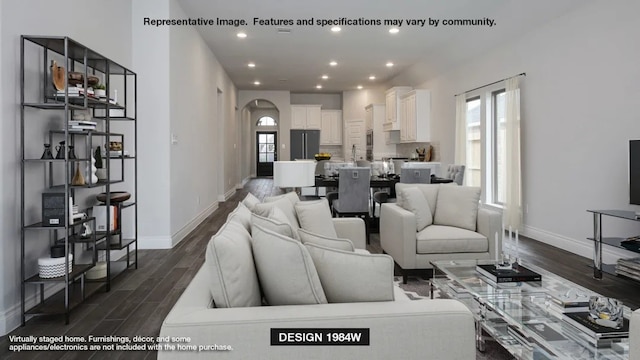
pixel 526 318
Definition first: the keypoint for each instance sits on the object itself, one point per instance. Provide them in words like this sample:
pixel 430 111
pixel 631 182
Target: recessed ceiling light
pixel 336 29
pixel 251 65
pixel 256 83
pixel 325 77
pixel 241 35
pixel 394 30
pixel 318 86
pixel 333 63
pixel 359 87
pixel 372 77
pixel 389 64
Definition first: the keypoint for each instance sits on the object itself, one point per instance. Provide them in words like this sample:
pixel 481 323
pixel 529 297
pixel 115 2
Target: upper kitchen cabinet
pixel 392 119
pixel 415 116
pixel 306 117
pixel 331 130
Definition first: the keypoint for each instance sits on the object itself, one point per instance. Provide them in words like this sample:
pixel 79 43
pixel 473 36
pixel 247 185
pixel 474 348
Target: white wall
pixel 328 101
pixel 354 102
pixel 195 77
pixel 579 109
pixel 22 18
pixel 151 57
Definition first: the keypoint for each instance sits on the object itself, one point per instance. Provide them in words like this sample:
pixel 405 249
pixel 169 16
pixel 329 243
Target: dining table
pixel 376 181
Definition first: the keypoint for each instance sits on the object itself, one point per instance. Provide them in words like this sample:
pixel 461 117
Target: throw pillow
pixel 242 215
pixel 292 196
pixel 430 192
pixel 353 277
pixel 271 224
pixel 414 201
pixel 250 201
pixel 457 206
pixel 229 258
pixel 285 269
pixel 280 217
pixel 315 216
pixel 264 210
pixel 308 237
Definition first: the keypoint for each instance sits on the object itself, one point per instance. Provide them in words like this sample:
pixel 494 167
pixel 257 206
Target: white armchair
pixel 457 229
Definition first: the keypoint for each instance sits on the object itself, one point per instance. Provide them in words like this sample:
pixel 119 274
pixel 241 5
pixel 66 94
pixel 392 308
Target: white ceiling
pixel 303 56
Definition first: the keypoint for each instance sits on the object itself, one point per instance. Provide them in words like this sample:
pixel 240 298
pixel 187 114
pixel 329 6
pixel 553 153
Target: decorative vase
pixel 46 154
pixel 91 170
pixel 100 93
pixel 101 174
pixel 78 179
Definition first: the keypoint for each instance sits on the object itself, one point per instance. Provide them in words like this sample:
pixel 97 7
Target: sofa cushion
pixel 264 209
pixel 285 269
pixel 250 201
pixel 292 196
pixel 229 258
pixel 315 216
pixel 272 224
pixel 353 277
pixel 242 215
pixel 308 237
pixel 457 206
pixel 430 192
pixel 413 200
pixel 438 239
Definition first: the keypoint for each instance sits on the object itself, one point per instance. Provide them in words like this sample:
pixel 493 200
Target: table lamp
pixel 294 174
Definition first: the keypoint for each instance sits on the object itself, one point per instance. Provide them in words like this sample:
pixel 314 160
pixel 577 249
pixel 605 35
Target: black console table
pixel 619 242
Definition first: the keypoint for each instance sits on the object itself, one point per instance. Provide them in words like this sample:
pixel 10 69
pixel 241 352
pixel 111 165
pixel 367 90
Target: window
pixel 486 144
pixel 474 142
pixel 266 121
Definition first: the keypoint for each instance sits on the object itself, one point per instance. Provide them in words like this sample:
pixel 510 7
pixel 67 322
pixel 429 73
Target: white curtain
pixel 512 212
pixel 461 131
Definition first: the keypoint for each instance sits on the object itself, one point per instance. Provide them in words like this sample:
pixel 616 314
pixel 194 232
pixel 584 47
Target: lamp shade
pixel 294 173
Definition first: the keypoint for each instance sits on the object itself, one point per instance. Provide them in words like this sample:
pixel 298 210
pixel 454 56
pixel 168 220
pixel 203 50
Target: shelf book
pixel 518 273
pixel 598 335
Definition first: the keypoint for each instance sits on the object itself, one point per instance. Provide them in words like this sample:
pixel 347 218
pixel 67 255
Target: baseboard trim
pixel 227 195
pixel 583 248
pixel 191 225
pixel 11 319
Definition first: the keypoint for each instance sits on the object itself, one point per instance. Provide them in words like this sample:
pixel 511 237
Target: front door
pixel 266 152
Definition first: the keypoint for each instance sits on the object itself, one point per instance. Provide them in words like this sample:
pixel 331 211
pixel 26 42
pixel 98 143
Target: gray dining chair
pixel 455 173
pixel 408 176
pixel 353 194
pixel 415 176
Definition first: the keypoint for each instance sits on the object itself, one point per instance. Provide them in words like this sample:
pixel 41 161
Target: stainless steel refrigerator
pixel 304 144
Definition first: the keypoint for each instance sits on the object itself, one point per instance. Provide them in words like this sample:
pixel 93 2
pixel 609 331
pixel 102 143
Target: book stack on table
pixel 629 268
pixel 518 273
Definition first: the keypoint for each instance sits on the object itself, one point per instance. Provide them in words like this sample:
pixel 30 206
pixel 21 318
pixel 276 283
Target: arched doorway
pixel 261 119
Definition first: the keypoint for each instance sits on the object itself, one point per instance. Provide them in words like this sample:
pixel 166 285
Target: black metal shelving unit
pixel 40 102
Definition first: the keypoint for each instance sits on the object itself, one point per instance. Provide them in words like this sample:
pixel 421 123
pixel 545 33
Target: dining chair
pixel 353 194
pixel 455 173
pixel 415 176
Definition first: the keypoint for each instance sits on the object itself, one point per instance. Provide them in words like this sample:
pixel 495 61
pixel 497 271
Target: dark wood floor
pixel 140 299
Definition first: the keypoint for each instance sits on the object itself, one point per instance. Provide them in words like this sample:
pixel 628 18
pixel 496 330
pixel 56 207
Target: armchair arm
pixel 352 229
pixel 490 224
pixel 398 234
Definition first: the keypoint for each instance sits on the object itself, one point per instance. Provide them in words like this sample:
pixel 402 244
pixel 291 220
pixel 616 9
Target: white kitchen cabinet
pixel 306 117
pixel 331 127
pixel 392 103
pixel 415 116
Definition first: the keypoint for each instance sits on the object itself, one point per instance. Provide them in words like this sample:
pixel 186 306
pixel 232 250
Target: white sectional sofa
pixel 399 329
